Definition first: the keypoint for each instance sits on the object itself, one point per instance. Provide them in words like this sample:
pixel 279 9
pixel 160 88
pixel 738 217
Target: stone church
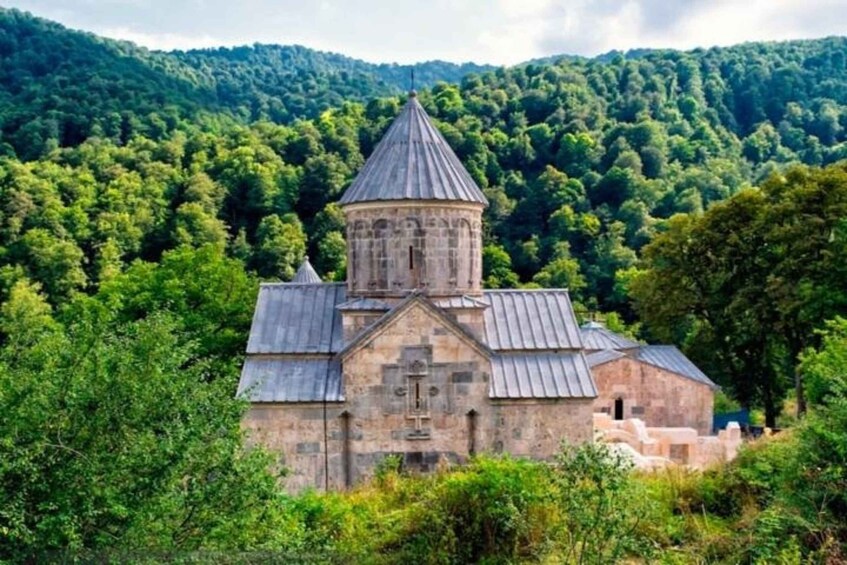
pixel 410 356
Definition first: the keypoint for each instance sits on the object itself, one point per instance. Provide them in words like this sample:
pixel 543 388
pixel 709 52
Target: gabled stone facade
pixel 656 395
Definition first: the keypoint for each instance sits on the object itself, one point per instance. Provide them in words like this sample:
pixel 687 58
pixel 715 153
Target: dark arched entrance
pixel 619 409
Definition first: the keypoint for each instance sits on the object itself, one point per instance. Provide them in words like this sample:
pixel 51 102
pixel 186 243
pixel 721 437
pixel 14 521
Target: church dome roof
pixel 413 162
pixel 306 273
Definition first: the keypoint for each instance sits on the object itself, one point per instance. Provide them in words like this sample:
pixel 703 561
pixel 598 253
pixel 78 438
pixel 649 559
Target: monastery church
pixel 412 357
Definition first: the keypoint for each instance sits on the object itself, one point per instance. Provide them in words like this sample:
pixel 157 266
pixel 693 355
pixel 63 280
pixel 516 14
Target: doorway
pixel 619 409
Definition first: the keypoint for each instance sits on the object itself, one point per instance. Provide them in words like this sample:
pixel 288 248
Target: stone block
pixel 462 377
pixel 308 447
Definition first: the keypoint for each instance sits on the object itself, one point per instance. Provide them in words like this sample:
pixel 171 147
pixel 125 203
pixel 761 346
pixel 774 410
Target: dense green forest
pixel 58 86
pixel 697 196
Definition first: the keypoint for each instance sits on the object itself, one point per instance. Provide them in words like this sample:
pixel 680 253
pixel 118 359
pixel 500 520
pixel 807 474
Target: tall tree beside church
pixel 745 285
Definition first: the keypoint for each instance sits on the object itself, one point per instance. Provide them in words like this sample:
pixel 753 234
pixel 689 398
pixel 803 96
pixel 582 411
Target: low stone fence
pixel 657 448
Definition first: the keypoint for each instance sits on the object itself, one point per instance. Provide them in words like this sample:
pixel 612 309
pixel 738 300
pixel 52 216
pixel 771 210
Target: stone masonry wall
pixel 536 428
pixel 296 433
pixel 409 391
pixel 392 249
pixel 659 397
pixel 419 390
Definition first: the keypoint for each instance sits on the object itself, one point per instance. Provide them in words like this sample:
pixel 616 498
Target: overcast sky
pixel 483 31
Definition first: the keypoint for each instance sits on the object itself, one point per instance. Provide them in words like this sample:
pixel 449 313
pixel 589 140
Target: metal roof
pixel 413 162
pixel 603 356
pixel 672 359
pixel 367 304
pixel 530 319
pixel 290 380
pixel 297 318
pixel 459 302
pixel 306 273
pixel 596 337
pixel 541 375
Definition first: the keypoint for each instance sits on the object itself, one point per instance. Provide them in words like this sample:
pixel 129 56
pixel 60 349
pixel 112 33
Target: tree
pixel 25 317
pixel 751 280
pixel 54 262
pixel 281 246
pixel 117 437
pixel 212 297
pixel 332 256
pixel 497 268
pixel 561 272
pixel 599 502
pixel 703 286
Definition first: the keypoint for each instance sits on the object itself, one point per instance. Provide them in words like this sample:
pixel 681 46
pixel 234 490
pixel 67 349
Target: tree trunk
pixel 770 406
pixel 799 392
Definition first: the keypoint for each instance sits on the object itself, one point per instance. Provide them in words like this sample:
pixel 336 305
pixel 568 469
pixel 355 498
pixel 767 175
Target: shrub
pixel 602 504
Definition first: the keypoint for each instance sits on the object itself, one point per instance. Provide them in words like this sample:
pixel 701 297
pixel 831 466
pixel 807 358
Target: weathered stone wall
pixel 659 397
pixel 410 389
pixel 416 388
pixel 296 432
pixel 536 428
pixel 396 247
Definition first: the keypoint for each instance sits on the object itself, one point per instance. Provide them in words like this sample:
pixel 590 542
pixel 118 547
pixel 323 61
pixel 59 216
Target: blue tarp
pixel 719 421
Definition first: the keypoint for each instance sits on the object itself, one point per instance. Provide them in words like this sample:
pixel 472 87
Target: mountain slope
pixel 59 86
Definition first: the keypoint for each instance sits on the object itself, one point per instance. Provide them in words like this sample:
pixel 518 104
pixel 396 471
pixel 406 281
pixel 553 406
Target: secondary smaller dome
pixel 306 273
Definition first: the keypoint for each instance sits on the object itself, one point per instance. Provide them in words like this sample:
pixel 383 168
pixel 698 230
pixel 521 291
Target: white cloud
pixel 163 41
pixel 493 31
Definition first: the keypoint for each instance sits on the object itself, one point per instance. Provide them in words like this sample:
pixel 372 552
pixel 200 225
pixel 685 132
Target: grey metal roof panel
pixel 413 161
pixel 672 359
pixel 541 375
pixel 530 319
pixel 596 337
pixel 603 356
pixel 297 318
pixel 367 304
pixel 290 380
pixel 459 302
pixel 306 273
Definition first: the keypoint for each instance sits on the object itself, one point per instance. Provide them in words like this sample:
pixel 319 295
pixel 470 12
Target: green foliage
pixel 725 403
pixel 601 505
pixel 116 90
pixel 746 284
pixel 116 436
pixel 210 295
pixel 825 371
pixel 497 268
pixel 597 154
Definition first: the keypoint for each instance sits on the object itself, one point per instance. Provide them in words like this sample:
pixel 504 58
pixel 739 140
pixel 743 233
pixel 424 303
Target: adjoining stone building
pixel 654 383
pixel 410 356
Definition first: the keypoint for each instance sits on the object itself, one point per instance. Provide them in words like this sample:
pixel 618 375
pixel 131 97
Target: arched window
pixel 381 258
pixel 619 409
pixel 359 267
pixel 408 254
pixel 464 271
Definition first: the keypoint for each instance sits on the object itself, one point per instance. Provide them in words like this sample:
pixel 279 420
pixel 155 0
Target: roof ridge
pixel 499 290
pixel 293 284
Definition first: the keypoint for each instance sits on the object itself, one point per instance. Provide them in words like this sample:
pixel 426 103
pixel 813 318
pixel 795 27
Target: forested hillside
pixel 59 86
pixel 143 195
pixel 583 161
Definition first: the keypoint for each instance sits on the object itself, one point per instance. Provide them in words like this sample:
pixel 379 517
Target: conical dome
pixel 413 162
pixel 306 273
